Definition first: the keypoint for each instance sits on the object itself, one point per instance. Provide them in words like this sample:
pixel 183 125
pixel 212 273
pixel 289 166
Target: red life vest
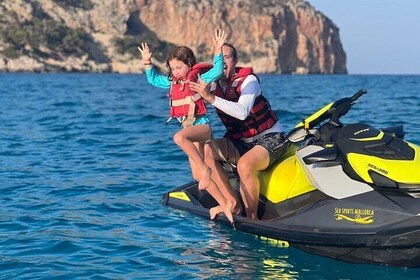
pixel 259 119
pixel 180 95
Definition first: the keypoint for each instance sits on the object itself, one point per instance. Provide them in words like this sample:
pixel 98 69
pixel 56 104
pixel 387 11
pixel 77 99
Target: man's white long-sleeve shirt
pixel 250 90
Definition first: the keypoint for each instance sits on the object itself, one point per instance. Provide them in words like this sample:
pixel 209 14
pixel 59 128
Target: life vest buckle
pixel 168 120
pixel 179 119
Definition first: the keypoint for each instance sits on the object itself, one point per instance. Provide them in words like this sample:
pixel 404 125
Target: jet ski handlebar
pixel 357 95
pixel 307 129
pixel 342 106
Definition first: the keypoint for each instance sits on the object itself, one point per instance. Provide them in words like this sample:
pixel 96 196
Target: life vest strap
pixel 186 100
pixel 189 120
pixel 181 102
pixel 196 96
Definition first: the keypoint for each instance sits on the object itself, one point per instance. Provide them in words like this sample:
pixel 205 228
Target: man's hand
pixel 202 89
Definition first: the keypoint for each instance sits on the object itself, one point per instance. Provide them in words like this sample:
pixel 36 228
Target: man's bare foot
pixel 214 211
pixel 205 177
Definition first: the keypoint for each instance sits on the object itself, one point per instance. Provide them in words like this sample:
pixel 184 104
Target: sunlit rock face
pixel 272 36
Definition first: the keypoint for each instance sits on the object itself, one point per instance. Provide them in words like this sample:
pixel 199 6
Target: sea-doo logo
pixel 374 167
pixel 360 131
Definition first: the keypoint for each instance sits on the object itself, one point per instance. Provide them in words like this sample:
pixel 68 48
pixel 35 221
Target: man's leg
pixel 249 166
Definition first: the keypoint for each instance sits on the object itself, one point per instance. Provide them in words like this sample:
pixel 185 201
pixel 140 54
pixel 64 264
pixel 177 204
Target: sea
pixel 86 158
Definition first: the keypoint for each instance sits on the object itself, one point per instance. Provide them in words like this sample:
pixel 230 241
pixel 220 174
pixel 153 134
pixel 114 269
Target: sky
pixel 378 36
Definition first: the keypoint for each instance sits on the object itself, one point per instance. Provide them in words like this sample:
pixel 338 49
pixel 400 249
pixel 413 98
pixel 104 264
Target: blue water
pixel 85 159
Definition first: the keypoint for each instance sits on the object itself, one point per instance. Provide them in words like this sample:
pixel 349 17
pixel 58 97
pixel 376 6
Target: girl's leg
pixel 185 139
pixel 195 169
pixel 219 174
pixel 224 205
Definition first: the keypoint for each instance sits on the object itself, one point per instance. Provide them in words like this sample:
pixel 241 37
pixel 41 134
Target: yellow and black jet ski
pixel 349 192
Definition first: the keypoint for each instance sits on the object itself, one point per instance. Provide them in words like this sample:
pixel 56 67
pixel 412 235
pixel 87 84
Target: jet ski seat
pixel 395 131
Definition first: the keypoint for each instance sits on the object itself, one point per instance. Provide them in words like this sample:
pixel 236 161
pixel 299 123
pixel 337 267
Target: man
pixel 253 131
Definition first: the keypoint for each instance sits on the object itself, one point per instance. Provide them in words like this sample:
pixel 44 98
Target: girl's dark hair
pixel 184 54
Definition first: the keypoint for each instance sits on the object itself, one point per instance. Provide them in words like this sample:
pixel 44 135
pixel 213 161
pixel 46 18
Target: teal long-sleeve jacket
pixel 158 80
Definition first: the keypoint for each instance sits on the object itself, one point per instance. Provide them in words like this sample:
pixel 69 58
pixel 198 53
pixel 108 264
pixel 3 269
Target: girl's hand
pixel 218 39
pixel 145 53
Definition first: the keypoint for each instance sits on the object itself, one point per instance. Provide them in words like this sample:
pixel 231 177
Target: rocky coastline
pixel 274 36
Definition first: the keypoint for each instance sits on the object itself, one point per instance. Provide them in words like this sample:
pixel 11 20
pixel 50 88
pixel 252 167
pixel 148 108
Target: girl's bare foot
pixel 236 210
pixel 205 177
pixel 227 209
pixel 214 211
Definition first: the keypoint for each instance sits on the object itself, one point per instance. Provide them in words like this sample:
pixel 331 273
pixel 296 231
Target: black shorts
pixel 275 143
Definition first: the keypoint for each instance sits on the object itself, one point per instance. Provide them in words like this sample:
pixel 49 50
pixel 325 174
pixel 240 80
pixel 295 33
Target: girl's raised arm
pixel 146 55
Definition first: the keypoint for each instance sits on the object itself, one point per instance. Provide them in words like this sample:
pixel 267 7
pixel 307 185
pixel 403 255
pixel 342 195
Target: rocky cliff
pixel 274 36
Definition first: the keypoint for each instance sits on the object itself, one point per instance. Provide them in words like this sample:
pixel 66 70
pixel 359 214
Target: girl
pixel 188 107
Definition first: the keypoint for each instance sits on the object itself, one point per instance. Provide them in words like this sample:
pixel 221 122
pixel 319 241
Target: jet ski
pixel 349 192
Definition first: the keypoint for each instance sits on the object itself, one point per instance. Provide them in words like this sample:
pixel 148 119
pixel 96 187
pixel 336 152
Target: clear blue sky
pixel 378 36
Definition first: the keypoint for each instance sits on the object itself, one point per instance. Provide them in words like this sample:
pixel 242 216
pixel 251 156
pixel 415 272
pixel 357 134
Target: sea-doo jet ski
pixel 349 192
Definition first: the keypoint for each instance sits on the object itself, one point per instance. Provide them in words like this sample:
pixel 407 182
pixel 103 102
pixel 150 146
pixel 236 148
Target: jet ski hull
pixel 337 228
